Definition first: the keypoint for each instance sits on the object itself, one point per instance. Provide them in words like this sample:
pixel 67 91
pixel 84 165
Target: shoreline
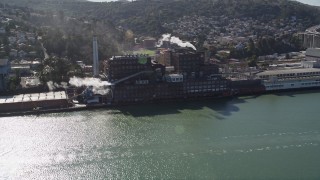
pixel 100 106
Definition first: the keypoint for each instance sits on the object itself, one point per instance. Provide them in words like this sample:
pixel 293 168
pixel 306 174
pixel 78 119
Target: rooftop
pixel 315 52
pixel 289 71
pixel 129 57
pixel 33 97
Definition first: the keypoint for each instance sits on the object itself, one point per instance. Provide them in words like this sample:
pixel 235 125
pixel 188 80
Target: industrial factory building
pixel 122 66
pixel 149 43
pixel 188 63
pixel 139 79
pixel 164 57
pixel 30 102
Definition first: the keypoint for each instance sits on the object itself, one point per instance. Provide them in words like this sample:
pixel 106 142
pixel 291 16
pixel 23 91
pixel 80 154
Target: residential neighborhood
pixel 224 31
pixel 20 52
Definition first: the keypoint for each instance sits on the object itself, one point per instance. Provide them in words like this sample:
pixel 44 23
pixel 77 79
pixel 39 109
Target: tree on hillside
pixel 55 69
pixel 54 41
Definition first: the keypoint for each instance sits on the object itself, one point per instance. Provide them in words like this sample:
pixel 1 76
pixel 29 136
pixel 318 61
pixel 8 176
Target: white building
pixel 313 54
pixel 174 78
pixel 312 58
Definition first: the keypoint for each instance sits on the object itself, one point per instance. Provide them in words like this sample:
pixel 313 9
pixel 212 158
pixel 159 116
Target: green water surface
pixel 264 137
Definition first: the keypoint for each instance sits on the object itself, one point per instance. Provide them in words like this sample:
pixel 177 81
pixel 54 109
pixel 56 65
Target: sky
pixel 311 2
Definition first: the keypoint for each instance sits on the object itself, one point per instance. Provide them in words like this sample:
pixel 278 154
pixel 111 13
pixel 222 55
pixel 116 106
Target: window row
pixel 311 83
pixel 275 86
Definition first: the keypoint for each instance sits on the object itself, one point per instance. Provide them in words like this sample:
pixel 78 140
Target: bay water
pixel 256 137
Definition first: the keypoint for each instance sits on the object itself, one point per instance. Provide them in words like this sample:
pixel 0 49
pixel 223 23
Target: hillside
pixel 241 29
pixel 148 16
pixel 269 25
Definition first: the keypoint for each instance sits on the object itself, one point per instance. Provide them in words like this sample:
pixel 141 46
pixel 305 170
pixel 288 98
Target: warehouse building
pixel 29 102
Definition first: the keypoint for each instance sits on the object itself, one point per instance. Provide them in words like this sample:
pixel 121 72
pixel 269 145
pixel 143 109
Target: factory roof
pixel 314 52
pixel 33 97
pixel 129 57
pixel 289 71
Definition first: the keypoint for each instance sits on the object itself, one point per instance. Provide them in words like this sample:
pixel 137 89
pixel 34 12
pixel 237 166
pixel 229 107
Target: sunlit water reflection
pixel 273 136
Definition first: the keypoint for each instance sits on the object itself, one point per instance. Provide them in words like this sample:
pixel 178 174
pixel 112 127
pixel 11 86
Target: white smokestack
pixel 95 58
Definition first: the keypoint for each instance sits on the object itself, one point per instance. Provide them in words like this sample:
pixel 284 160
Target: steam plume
pixel 97 84
pixel 52 86
pixel 175 40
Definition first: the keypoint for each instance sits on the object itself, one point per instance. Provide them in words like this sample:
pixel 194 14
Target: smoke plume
pixel 97 84
pixel 52 86
pixel 175 40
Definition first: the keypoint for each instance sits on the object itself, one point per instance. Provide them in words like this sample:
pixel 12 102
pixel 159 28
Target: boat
pixel 281 80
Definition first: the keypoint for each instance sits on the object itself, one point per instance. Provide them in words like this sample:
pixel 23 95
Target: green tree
pixel 251 48
pixel 14 82
pixel 55 69
pixel 252 61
